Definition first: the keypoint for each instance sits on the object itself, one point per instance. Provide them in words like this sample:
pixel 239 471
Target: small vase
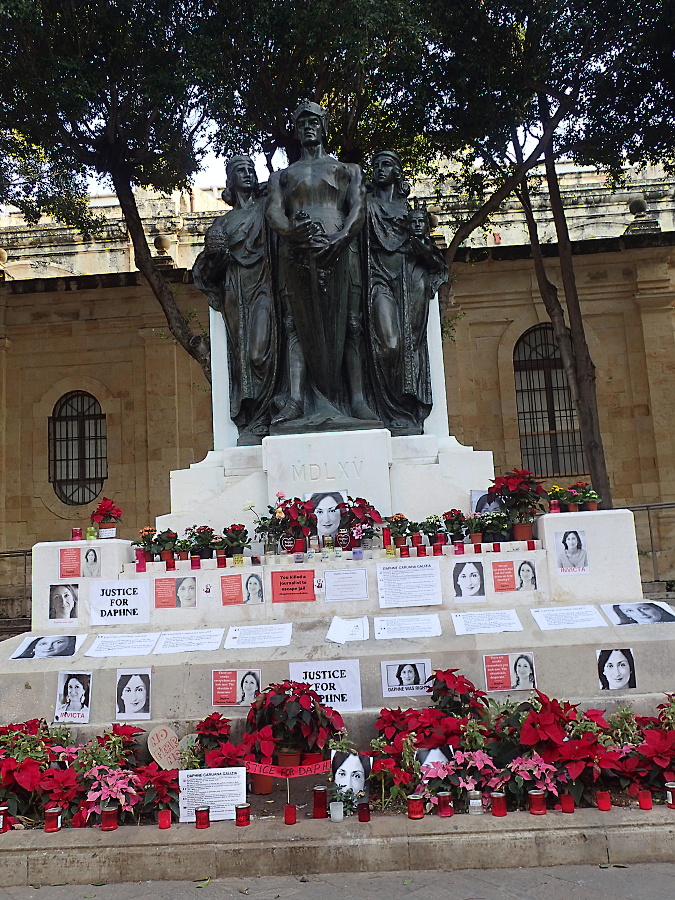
pixel 261 784
pixel 522 531
pixel 476 538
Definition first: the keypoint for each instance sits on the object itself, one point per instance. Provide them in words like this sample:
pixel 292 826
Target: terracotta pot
pixel 572 507
pixel 149 556
pixel 476 538
pixel 261 784
pixel 310 759
pixel 183 554
pixel 522 531
pixel 165 554
pixel 592 505
pixel 288 759
pixel 400 542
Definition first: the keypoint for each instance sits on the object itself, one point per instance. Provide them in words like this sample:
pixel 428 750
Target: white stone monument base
pixel 417 475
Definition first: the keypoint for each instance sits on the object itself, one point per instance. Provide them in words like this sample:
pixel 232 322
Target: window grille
pixel 78 463
pixel 550 441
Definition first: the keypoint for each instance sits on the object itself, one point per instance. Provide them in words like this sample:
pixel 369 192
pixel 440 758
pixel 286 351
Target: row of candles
pixel 323 810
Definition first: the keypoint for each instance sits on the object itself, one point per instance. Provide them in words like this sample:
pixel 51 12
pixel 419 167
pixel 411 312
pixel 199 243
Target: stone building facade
pixel 76 317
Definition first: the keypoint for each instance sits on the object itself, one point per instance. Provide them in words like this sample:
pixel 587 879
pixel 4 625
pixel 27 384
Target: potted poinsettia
pixel 361 519
pixel 106 515
pixel 521 496
pixel 298 518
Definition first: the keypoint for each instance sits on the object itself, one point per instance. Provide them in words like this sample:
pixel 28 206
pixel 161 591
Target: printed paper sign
pixel 414 582
pixel 553 618
pixel 231 593
pixel 219 789
pixel 337 682
pixel 119 602
pixel 486 621
pixel 46 646
pixel 503 576
pixel 189 641
pixel 163 747
pixel 251 636
pixel 405 678
pixel 165 593
pixel 69 562
pixel 123 644
pixel 73 697
pixel 293 586
pixel 345 584
pixel 133 693
pixel 644 612
pixel 510 672
pixel 394 627
pixel 343 630
pixel 235 687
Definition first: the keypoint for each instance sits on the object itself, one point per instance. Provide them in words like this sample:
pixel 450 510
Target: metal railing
pixel 650 539
pixel 15 582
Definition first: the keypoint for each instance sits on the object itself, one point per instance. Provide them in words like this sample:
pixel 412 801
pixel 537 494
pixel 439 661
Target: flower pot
pixel 400 542
pixel 206 552
pixel 311 759
pixel 261 784
pixel 165 555
pixel 476 538
pixel 603 801
pixel 441 537
pixel 149 555
pixel 522 531
pixel 592 505
pixel 288 759
pixel 572 507
pixel 107 530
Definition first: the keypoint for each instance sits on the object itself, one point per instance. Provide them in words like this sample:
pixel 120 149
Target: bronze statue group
pixel 324 284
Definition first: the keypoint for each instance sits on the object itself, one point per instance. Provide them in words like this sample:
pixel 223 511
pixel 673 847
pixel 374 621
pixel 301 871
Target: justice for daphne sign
pixel 119 602
pixel 337 682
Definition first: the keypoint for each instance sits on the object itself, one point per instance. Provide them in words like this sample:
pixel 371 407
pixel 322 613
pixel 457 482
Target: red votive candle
pixel 415 806
pixel 531 545
pixel 320 802
pixel 441 537
pixel 109 819
pixel 645 799
pixel 567 803
pixel 405 552
pixel 386 537
pixel 603 801
pixel 445 807
pixel 76 534
pixel 170 562
pixel 242 814
pixel 195 562
pixel 437 550
pixel 498 803
pixel 141 565
pixel 554 506
pixel 477 548
pixel 290 814
pixel 4 818
pixel 221 562
pixel 537 802
pixel 670 794
pixel 202 819
pixel 421 551
pixel 459 548
pixel 416 539
pixel 496 547
pixel 53 819
pixel 363 810
pixel 164 818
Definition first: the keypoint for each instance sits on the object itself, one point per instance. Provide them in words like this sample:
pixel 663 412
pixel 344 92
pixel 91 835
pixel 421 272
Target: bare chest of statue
pixel 315 184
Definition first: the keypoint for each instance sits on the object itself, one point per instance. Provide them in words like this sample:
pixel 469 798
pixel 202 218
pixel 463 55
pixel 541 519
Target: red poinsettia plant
pixel 297 516
pixel 519 493
pixel 360 516
pixel 106 511
pixel 298 719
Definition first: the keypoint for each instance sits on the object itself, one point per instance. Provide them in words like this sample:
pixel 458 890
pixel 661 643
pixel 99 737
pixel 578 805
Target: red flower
pixel 106 511
pixel 659 746
pixel 215 725
pixel 62 785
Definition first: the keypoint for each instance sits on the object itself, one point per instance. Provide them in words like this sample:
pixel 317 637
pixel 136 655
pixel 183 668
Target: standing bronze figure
pixel 234 272
pixel 316 207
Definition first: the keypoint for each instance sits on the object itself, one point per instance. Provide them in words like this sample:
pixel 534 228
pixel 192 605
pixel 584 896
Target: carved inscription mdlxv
pixel 332 471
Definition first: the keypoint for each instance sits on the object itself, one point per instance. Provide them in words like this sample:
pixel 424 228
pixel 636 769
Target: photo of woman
pixel 62 602
pixel 253 589
pixel 186 592
pixel 523 673
pixel 73 697
pixel 350 772
pixel 249 688
pixel 92 564
pixel 426 757
pixel 328 516
pixel 133 695
pixel 527 576
pixel 407 673
pixel 571 552
pixel 46 647
pixel 641 614
pixel 616 669
pixel 467 578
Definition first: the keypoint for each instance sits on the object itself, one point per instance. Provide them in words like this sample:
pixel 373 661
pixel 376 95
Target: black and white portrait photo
pixel 428 756
pixel 526 575
pixel 571 552
pixel 350 772
pixel 186 592
pixel 468 581
pixel 645 612
pixel 73 697
pixel 616 669
pixel 328 516
pixel 47 646
pixel 63 602
pixel 522 672
pixel 405 677
pixel 252 588
pixel 133 693
pixel 91 563
pixel 482 502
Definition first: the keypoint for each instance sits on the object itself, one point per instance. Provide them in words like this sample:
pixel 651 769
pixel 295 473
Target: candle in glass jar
pixel 421 550
pixel 459 548
pixel 498 803
pixel 4 818
pixel 537 801
pixel 242 814
pixel 670 794
pixel 386 537
pixel 475 803
pixel 363 810
pixel 195 562
pixel 645 799
pixel 109 818
pixel 320 795
pixel 164 818
pixel 445 808
pixel 290 814
pixel 437 550
pixel 404 552
pixel 202 819
pixel 53 819
pixel 76 534
pixel 415 806
pixel 567 803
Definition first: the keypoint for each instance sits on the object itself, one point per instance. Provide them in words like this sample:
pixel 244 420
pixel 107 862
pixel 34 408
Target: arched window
pixel 550 442
pixel 78 463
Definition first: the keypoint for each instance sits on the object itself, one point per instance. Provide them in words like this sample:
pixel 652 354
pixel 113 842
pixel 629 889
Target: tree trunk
pixel 196 345
pixel 586 400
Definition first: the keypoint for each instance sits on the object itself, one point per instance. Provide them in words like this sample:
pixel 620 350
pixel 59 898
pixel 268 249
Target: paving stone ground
pixel 638 882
